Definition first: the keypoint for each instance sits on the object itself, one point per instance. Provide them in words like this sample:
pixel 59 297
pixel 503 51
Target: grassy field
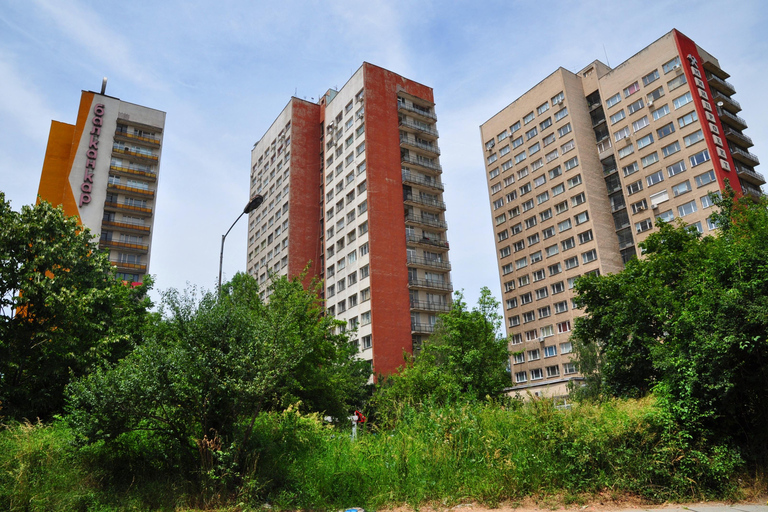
pixel 488 453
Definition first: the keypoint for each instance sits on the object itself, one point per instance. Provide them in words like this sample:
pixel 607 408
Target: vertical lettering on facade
pixel 93 151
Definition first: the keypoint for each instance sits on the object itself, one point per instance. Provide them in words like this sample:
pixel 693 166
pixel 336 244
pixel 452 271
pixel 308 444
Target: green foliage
pixel 465 359
pixel 62 311
pixel 690 320
pixel 204 374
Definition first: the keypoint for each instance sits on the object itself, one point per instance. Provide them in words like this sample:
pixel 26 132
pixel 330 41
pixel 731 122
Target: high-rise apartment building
pixel 104 170
pixel 352 190
pixel 581 167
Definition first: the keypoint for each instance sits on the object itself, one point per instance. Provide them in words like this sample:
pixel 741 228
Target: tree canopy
pixel 690 321
pixel 62 310
pixel 466 358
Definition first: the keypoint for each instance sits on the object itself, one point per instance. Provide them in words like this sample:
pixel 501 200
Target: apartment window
pixel 503 235
pixel 511 303
pixel 528 205
pixel 521 263
pixel 542 108
pixel 543 197
pixel 542 293
pixel 568 146
pixel 507 269
pixel 653 179
pixel 639 206
pixel 545 312
pixel 539 275
pixel 634 188
pixel 521 377
pixel 552 250
pixel 509 286
pixel 523 280
pixel 687 208
pixel 581 218
pixel 519 245
pixel 676 82
pixel 564 130
pixel 561 328
pixel 569 368
pixel 514 321
pixel 498 203
pixel 640 123
pixel 613 100
pixel 650 159
pixel 537 374
pixel 665 130
pixel 660 112
pixel 572 262
pixel 519 358
pixel 561 207
pixel 546 214
pixel 545 124
pixel 578 199
pixel 676 168
pixel 589 256
pixel 632 89
pixel 500 137
pixel 572 282
pixel 564 225
pixel 708 200
pixel 529 316
pixel 549 139
pixel 528 118
pixel 666 216
pixel 363 228
pixel 561 307
pixel 553 371
pixel 576 180
pixel 520 157
pixel 558 189
pixel 643 225
pixel 682 100
pixel 504 252
pixel 671 149
pixel 645 141
pixel 560 114
pixel 688 119
pixel 699 158
pixel 516 143
pixel 671 65
pixel 555 269
pixel 618 116
pixel 655 95
pixel 503 151
pixel 517 228
pixel 626 151
pixel 361 188
pixel 585 237
pixel 635 106
pixel 531 133
pixel 364 271
pixel 548 232
pixel 681 188
pixel 630 169
pixel 693 138
pixel 530 222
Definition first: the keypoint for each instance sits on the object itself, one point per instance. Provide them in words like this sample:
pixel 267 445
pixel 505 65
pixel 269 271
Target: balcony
pixel 744 156
pixel 127 207
pixel 728 102
pixel 133 171
pixel 430 284
pixel 731 119
pixel 713 68
pixel 721 85
pixel 131 190
pixel 142 248
pixel 134 154
pixel 413 143
pixel 430 263
pixel 419 127
pixel 750 189
pixel 132 266
pixel 126 226
pixel 426 163
pixel 409 177
pixel 433 223
pixel 749 174
pixel 425 240
pixel 419 111
pixel 737 137
pixel 120 134
pixel 424 305
pixel 425 202
pixel 417 327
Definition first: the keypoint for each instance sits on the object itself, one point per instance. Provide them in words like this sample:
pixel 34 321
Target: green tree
pixel 690 321
pixel 62 311
pixel 465 359
pixel 207 371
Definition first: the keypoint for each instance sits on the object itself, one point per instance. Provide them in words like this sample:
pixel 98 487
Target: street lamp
pixel 252 205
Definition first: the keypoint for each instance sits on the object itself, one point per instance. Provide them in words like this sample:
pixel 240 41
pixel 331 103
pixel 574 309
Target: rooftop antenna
pixel 606 56
pixel 103 85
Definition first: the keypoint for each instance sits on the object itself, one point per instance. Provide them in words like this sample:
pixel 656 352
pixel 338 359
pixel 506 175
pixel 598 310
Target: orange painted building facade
pixel 104 170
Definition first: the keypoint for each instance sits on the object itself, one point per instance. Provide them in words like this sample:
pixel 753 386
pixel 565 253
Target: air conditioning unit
pixel 650 103
pixel 654 206
pixel 541 339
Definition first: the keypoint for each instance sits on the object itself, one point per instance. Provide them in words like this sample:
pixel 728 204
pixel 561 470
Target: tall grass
pixel 479 452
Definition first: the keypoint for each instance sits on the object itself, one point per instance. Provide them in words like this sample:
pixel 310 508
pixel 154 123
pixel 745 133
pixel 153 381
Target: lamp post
pixel 254 203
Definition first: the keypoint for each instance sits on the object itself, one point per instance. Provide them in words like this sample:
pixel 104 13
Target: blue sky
pixel 223 71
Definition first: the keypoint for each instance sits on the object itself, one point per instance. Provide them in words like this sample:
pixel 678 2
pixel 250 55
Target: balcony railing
pixel 422 128
pixel 416 260
pixel 129 169
pixel 124 245
pixel 744 139
pixel 121 264
pixel 125 225
pixel 420 327
pixel 411 141
pixel 425 305
pixel 743 171
pixel 737 151
pixel 126 206
pixel 719 83
pixel 133 136
pixel 440 224
pixel 423 162
pixel 409 177
pixel 425 201
pixel 732 117
pixel 133 190
pixel 421 239
pixel 123 151
pixel 402 105
pixel 718 96
pixel 430 283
